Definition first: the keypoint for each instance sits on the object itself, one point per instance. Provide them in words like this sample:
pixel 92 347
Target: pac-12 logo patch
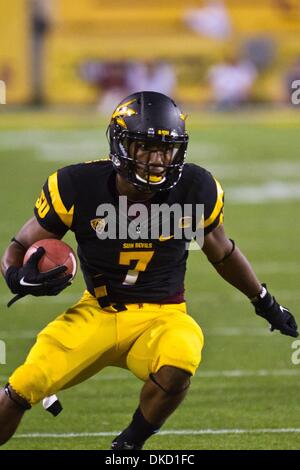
pixel 98 224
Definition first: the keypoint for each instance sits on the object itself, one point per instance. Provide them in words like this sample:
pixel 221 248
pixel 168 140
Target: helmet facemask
pixel 149 162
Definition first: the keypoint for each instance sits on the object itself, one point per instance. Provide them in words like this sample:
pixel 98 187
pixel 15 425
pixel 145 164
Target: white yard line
pixel 206 374
pixel 80 144
pixel 235 373
pixel 263 193
pixel 236 331
pixel 181 432
pixel 248 373
pixel 23 334
pixel 83 144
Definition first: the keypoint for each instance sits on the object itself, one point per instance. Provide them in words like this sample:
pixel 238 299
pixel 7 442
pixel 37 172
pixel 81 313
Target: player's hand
pixel 280 318
pixel 28 280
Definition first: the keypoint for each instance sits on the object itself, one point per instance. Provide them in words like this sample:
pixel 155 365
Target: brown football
pixel 57 253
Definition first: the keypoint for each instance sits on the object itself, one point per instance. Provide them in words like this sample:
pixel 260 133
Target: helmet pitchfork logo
pixel 123 111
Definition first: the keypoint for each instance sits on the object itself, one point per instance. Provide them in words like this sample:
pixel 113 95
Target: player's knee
pixel 172 380
pixel 180 348
pixel 30 382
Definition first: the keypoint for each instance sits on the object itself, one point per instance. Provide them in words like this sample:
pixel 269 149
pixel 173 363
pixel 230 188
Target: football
pixel 57 253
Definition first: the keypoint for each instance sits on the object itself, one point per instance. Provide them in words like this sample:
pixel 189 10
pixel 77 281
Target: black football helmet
pixel 148 121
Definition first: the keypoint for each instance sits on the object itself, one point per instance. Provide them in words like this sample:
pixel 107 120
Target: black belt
pixel 100 292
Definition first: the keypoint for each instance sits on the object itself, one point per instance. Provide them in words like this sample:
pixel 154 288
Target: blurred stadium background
pixel 61 51
pixel 231 65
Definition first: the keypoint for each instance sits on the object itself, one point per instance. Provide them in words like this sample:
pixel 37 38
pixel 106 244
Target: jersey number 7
pixel 142 259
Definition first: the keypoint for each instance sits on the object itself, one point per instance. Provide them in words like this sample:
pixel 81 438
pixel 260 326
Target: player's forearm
pixel 237 270
pixel 13 256
pixel 27 235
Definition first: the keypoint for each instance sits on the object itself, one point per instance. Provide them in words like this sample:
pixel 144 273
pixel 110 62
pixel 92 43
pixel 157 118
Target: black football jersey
pixel 130 269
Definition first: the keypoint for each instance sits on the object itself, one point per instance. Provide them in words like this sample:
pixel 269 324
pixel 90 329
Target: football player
pixel 133 313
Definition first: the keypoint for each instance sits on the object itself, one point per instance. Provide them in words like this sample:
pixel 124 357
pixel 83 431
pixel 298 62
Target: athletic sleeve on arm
pixel 54 209
pixel 208 191
pixel 214 208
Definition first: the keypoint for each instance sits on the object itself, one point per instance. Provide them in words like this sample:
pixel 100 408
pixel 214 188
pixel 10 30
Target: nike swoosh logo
pixel 283 309
pixel 24 283
pixel 163 239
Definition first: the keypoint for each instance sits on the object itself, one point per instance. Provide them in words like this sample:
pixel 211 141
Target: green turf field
pixel 246 392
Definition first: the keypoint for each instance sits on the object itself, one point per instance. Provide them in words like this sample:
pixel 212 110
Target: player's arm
pixel 230 263
pixel 24 280
pixel 53 218
pixel 234 267
pixel 31 232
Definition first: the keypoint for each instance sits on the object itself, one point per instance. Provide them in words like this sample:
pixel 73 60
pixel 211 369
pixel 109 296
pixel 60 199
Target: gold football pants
pixel 85 339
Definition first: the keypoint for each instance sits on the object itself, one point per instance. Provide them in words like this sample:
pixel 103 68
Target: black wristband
pixel 221 261
pixel 264 300
pixel 265 303
pixel 263 291
pixel 18 243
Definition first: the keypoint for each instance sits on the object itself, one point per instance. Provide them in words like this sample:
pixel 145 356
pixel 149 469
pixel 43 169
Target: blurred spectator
pixel 113 85
pixel 41 20
pixel 212 20
pixel 231 83
pixel 6 73
pixel 116 79
pixel 109 78
pixel 284 5
pixel 261 51
pixel 151 76
pixel 292 75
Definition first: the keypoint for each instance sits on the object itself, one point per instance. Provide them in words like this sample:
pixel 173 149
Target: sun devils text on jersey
pixel 131 269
